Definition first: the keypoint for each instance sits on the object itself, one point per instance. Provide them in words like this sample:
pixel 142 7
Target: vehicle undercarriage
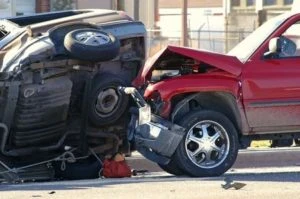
pixel 61 110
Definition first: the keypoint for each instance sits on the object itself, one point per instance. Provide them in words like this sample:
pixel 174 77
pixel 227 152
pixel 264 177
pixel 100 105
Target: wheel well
pixel 218 101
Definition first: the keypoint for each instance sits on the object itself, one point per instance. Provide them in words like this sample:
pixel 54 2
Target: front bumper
pixel 156 138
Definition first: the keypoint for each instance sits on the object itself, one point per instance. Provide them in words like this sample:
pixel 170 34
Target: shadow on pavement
pixel 98 183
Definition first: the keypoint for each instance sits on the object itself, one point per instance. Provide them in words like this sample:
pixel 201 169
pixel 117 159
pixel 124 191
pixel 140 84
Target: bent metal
pixel 205 106
pixel 61 111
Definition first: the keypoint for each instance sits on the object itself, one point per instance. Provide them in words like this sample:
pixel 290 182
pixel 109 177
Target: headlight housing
pixel 144 115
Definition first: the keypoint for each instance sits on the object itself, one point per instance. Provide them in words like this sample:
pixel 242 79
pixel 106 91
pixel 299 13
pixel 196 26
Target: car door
pixel 271 87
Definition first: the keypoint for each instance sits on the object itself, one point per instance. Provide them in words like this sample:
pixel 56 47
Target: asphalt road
pixel 251 158
pixel 259 184
pixel 265 173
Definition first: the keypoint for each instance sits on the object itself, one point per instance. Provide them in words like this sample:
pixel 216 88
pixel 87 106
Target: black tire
pixel 281 143
pixel 245 143
pixel 84 169
pixel 297 142
pixel 100 112
pixel 172 168
pixel 87 47
pixel 216 123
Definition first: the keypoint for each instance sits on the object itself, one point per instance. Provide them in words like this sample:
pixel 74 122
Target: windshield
pixel 248 46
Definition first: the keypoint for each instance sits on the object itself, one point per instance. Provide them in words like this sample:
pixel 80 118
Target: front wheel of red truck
pixel 210 145
pixel 172 168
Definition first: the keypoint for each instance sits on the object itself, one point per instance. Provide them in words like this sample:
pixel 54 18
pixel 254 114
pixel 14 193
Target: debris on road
pixel 231 184
pixel 137 172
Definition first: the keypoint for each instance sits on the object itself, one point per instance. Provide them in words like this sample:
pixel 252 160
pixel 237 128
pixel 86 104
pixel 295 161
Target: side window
pixel 3 32
pixel 292 34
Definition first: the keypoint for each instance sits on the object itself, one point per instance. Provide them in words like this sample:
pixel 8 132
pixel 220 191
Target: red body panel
pixel 193 83
pixel 169 88
pixel 271 93
pixel 268 88
pixel 227 63
pixel 271 89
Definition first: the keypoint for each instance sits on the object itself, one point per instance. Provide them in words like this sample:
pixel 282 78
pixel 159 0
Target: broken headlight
pixel 144 115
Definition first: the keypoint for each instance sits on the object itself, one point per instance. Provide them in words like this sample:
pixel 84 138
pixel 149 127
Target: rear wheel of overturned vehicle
pixel 210 145
pixel 91 45
pixel 108 104
pixel 172 168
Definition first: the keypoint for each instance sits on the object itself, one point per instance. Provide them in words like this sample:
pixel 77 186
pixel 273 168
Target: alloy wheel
pixel 207 144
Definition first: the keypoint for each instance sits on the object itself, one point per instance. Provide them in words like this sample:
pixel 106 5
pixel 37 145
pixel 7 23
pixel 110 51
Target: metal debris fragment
pixel 231 184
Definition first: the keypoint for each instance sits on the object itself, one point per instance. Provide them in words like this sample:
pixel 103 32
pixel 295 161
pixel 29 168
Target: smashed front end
pixel 154 137
pixel 173 75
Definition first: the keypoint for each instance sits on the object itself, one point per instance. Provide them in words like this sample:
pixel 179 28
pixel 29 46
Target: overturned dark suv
pixel 60 107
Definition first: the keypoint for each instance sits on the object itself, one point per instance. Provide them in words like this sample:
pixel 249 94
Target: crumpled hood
pixel 224 62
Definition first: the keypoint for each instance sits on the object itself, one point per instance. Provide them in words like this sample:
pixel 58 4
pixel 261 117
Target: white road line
pixel 265 170
pixel 270 150
pixel 137 156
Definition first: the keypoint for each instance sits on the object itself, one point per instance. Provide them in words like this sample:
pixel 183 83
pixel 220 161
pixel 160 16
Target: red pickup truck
pixel 199 106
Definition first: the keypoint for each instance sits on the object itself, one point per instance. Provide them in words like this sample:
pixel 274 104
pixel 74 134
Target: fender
pixel 199 83
pixel 221 82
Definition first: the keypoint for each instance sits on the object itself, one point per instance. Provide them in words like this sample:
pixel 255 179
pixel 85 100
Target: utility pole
pixel 261 13
pixel 156 13
pixel 184 32
pixel 136 10
pixel 118 5
pixel 225 5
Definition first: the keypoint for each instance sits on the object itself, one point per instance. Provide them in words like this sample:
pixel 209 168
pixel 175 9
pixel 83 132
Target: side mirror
pixel 274 45
pixel 274 48
pixel 281 47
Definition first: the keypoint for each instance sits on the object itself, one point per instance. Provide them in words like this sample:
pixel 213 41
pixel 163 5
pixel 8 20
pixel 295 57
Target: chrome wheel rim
pixel 107 101
pixel 91 38
pixel 207 144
